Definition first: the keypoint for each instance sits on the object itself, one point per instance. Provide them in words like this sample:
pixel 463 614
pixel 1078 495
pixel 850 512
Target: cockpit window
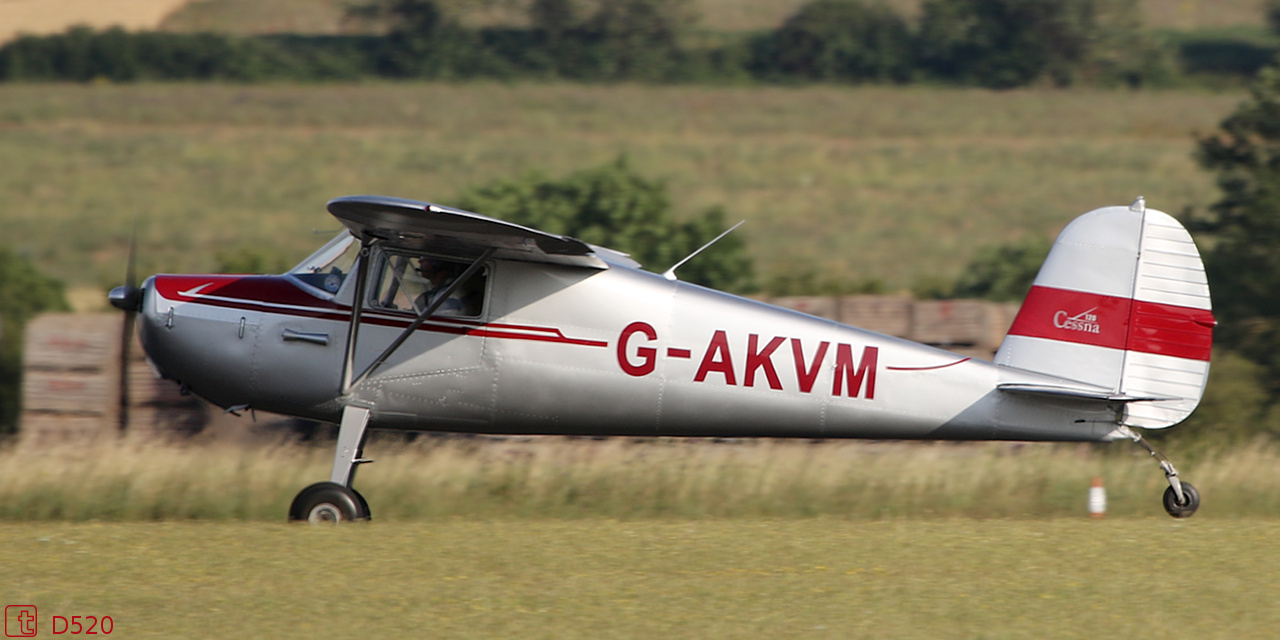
pixel 411 283
pixel 327 268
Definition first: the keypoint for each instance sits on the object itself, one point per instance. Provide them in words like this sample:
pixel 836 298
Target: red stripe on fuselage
pixel 1115 323
pixel 280 295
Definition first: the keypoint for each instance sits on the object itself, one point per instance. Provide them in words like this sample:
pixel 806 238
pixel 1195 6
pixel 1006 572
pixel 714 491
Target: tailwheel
pixel 1182 508
pixel 1181 499
pixel 328 502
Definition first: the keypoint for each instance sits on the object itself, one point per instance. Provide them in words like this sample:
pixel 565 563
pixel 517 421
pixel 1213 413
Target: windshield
pixel 327 268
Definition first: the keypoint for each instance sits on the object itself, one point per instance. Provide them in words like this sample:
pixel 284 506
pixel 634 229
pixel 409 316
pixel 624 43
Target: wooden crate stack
pixel 71 383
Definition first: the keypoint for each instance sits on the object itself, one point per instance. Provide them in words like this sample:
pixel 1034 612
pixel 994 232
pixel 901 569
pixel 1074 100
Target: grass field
pixel 435 479
pixel 894 184
pixel 592 578
pixel 558 538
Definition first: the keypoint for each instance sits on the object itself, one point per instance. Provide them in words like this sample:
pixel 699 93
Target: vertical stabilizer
pixel 1121 302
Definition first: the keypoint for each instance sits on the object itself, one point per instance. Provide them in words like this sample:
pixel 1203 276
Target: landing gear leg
pixel 1181 498
pixel 335 501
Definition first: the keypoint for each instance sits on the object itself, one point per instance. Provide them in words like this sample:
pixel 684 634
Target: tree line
pixel 989 43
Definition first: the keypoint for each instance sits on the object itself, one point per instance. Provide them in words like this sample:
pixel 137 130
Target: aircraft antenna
pixel 670 274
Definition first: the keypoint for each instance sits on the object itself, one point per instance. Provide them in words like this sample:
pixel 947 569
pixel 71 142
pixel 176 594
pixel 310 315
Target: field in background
pixel 325 16
pixel 744 578
pixel 55 16
pixel 434 479
pixel 895 184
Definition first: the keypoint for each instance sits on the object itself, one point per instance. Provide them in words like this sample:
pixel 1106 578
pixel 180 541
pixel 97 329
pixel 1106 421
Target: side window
pixel 410 283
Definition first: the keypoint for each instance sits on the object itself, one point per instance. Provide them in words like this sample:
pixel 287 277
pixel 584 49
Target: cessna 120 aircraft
pixel 424 317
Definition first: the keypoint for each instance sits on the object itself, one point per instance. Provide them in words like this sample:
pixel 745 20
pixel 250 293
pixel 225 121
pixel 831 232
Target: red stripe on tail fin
pixel 1116 323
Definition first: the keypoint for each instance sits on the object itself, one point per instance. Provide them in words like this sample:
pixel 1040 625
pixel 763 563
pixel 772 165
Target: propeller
pixel 127 298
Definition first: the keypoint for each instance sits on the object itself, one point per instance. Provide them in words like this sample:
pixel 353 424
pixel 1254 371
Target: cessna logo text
pixel 1086 322
pixel 757 361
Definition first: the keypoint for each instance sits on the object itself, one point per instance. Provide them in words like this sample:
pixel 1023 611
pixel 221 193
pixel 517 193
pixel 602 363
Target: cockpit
pixel 404 282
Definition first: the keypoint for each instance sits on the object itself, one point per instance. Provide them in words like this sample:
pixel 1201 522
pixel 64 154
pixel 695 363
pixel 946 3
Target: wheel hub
pixel 324 514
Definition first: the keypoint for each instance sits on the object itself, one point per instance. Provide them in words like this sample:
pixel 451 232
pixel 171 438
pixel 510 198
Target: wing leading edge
pixel 422 226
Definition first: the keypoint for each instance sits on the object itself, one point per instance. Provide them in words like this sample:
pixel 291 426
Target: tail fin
pixel 1122 303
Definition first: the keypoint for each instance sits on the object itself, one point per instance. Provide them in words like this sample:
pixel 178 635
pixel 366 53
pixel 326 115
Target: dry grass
pixel 258 16
pixel 862 183
pixel 564 478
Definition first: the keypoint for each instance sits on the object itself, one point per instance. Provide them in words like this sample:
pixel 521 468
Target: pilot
pixel 439 275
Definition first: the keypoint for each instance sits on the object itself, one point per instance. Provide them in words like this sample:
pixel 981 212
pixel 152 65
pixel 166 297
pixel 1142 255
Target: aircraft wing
pixel 422 226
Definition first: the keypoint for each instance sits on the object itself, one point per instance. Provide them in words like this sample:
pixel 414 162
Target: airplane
pixel 421 317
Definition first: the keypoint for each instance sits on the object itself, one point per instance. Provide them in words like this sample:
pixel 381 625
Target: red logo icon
pixel 20 621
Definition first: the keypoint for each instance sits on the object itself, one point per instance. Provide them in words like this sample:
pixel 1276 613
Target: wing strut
pixel 422 317
pixel 362 277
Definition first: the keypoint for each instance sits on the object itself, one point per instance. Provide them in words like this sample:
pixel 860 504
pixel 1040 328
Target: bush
pixel 82 55
pixel 614 207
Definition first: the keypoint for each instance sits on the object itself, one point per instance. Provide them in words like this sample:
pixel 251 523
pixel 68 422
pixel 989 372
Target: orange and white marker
pixel 1097 499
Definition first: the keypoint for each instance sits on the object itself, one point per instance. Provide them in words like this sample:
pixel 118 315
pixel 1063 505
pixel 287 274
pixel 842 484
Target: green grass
pixel 595 578
pixel 895 184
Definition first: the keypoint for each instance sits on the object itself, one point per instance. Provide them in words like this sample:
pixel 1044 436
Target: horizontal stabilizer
pixel 1085 393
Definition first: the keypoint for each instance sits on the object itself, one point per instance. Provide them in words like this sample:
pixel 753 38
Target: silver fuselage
pixel 570 350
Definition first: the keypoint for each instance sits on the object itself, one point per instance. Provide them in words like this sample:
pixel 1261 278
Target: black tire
pixel 328 502
pixel 1188 507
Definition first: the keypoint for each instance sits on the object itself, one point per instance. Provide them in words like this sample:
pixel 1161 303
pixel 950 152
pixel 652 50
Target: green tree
pixel 1121 52
pixel 1236 407
pixel 1005 43
pixel 639 39
pixel 1242 254
pixel 838 40
pixel 24 292
pixel 1003 273
pixel 613 206
pixel 1272 8
pixel 425 40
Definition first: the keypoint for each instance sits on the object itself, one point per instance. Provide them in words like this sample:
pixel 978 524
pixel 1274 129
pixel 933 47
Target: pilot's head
pixel 434 271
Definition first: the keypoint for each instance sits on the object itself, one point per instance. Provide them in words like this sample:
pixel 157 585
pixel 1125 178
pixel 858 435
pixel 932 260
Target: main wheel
pixel 1187 507
pixel 328 502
